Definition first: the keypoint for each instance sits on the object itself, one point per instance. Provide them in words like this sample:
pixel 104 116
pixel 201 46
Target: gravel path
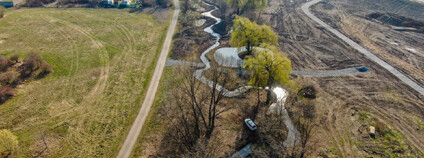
pixel 293 136
pixel 172 62
pixel 404 78
pixel 136 127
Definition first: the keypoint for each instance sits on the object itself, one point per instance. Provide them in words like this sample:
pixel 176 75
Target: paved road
pixel 404 78
pixel 132 136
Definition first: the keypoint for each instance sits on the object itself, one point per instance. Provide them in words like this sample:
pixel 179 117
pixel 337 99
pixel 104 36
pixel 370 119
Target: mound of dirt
pixel 397 20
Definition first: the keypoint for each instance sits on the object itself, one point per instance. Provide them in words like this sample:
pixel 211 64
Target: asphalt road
pixel 404 78
pixel 132 136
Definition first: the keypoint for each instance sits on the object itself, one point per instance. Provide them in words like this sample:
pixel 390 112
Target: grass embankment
pixel 102 61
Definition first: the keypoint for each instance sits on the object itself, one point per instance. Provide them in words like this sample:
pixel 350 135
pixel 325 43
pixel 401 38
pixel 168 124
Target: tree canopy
pixel 268 68
pixel 8 142
pixel 241 5
pixel 250 34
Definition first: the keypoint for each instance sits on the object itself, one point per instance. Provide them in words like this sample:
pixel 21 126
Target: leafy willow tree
pixel 267 68
pixel 250 34
pixel 241 5
pixel 8 143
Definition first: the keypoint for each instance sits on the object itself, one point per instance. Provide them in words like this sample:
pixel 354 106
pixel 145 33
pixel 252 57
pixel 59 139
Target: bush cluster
pixel 34 65
pixel 6 92
pixel 4 63
pixel 8 78
pixel 11 74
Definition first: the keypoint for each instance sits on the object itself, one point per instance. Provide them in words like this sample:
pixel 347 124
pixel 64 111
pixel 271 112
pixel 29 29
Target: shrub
pixel 6 92
pixel 4 63
pixel 45 70
pixel 67 2
pixel 148 3
pixel 380 127
pixel 28 67
pixel 37 3
pixel 8 143
pixel 164 3
pixel 8 78
pixel 31 64
pixel 309 91
pixel 14 58
pixel 94 3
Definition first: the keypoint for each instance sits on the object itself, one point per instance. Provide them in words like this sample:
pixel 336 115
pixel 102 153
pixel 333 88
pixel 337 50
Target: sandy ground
pixel 311 47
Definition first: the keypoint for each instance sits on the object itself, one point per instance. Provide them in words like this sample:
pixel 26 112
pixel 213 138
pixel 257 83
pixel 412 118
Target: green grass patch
pixel 364 116
pixel 102 61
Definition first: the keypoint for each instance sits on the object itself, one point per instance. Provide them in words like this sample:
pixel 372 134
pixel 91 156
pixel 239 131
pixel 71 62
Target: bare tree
pixel 194 106
pixel 186 6
pixel 305 122
pixel 303 114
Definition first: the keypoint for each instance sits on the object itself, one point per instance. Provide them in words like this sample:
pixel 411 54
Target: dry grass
pixel 102 61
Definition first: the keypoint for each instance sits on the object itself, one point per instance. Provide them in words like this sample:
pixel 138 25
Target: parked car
pixel 250 124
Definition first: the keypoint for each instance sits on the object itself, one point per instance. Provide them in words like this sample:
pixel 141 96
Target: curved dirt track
pixel 404 78
pixel 136 127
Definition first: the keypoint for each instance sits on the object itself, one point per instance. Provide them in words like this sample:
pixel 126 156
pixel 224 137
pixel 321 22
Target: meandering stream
pixel 198 74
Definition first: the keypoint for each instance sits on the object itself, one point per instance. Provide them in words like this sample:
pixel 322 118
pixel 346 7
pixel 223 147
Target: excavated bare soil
pixel 310 47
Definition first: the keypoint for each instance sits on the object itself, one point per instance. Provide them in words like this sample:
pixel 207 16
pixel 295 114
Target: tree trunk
pixel 249 50
pixel 255 112
pixel 268 93
pixel 8 154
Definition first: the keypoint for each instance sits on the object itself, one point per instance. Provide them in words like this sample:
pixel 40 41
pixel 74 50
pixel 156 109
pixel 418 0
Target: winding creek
pixel 198 73
pixel 291 137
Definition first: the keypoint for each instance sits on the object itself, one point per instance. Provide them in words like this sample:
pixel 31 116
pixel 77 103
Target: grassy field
pixel 102 61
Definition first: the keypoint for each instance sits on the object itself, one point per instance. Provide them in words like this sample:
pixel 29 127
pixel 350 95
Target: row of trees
pixel 242 5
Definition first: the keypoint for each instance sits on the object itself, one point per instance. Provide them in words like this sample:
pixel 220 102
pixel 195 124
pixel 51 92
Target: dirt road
pixel 404 78
pixel 132 136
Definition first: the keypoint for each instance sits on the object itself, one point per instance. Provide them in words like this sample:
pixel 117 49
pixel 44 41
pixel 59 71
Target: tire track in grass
pixel 81 135
pixel 104 58
pixel 74 59
pixel 69 80
pixel 126 53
